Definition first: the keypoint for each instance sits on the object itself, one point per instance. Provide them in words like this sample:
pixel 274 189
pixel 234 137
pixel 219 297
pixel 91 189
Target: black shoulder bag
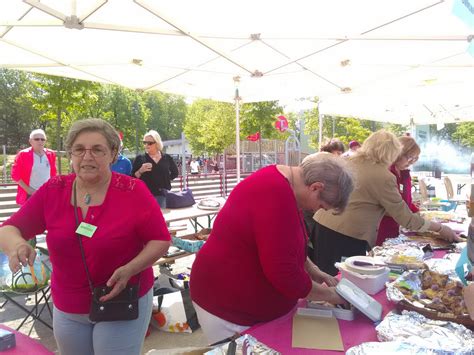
pixel 124 306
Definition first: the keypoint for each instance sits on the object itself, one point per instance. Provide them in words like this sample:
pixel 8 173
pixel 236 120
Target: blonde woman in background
pixel 376 193
pixel 155 168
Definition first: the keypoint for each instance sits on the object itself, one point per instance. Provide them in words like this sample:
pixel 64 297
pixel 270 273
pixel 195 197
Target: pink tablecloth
pixel 277 333
pixel 25 345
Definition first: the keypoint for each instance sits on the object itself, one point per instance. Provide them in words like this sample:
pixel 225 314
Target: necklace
pixel 88 196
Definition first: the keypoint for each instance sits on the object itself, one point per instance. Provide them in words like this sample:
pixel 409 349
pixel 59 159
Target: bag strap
pixel 74 200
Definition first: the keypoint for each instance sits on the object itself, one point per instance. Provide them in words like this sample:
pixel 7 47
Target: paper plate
pixel 367 270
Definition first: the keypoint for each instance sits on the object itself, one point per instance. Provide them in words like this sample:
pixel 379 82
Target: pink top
pixel 388 227
pixel 128 218
pixel 251 269
pixel 22 167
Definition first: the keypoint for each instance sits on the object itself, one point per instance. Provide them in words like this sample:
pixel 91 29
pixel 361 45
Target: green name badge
pixel 86 229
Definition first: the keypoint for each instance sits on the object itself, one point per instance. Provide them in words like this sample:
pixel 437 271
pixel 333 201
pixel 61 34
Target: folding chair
pixel 450 193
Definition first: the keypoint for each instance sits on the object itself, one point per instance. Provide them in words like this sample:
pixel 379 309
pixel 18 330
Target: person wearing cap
pixel 353 146
pixel 123 165
pixel 33 166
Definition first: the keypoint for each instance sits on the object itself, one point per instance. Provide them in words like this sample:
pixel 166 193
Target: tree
pixel 62 100
pixel 344 128
pixel 17 114
pixel 397 129
pixel 260 117
pixel 210 126
pixel 125 110
pixel 167 114
pixel 465 134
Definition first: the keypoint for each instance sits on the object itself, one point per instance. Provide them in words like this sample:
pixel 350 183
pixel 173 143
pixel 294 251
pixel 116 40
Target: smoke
pixel 443 154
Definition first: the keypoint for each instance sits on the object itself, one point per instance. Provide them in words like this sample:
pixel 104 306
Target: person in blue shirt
pixel 123 165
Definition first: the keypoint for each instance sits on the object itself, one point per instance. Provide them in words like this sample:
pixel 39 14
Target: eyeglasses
pixel 411 159
pixel 39 139
pixel 148 143
pixel 96 152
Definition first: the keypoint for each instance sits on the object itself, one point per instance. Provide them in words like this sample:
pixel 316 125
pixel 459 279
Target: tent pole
pixel 183 161
pixel 320 127
pixel 237 126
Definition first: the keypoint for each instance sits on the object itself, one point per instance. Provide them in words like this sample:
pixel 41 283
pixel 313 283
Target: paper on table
pixel 316 333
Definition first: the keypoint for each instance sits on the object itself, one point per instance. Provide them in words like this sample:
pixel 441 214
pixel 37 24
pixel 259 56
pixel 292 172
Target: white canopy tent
pixel 276 49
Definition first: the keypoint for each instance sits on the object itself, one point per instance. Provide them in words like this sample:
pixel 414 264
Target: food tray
pixel 410 296
pixel 433 314
pixel 209 204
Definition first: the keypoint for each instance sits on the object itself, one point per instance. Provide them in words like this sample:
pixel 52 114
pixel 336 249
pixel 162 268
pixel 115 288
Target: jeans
pixel 161 201
pixel 76 335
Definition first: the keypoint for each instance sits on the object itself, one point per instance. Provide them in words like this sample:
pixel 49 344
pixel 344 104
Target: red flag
pixel 254 137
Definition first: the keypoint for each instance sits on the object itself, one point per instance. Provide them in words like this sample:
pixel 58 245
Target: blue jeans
pixel 76 335
pixel 161 201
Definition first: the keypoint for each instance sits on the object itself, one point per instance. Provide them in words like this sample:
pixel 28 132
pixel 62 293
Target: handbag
pixel 179 199
pixel 124 306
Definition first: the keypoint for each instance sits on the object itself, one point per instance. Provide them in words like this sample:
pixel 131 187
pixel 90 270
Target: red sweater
pixel 251 269
pixel 126 221
pixel 388 227
pixel 21 170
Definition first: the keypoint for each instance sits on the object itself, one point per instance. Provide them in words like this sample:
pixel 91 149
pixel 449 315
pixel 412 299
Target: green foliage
pixel 126 111
pixel 465 134
pixel 17 114
pixel 344 128
pixel 210 126
pixel 260 117
pixel 397 129
pixel 61 100
pixel 167 114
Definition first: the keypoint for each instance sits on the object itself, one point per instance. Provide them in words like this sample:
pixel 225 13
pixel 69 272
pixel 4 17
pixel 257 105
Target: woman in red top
pixel 130 236
pixel 388 228
pixel 254 266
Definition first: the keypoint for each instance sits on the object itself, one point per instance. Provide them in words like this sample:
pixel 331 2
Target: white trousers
pixel 216 329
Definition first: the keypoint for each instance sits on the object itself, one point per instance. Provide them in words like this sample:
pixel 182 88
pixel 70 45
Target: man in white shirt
pixel 33 166
pixel 194 165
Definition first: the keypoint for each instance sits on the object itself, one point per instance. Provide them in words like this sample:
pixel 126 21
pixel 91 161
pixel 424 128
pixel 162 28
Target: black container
pixel 7 340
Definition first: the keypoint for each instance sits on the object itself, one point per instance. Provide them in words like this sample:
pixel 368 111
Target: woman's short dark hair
pixel 334 145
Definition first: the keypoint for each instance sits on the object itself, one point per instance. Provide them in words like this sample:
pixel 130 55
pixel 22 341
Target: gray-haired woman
pixel 376 193
pixel 155 168
pixel 120 242
pixel 257 248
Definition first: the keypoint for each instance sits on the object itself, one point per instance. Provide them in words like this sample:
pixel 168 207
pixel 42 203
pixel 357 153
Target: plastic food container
pixel 371 284
pixel 361 300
